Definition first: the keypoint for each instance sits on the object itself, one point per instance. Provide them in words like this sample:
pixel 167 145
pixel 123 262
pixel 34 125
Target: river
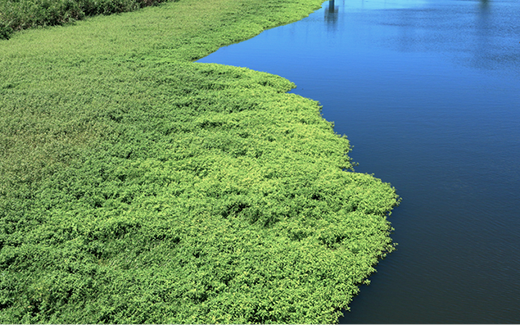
pixel 428 93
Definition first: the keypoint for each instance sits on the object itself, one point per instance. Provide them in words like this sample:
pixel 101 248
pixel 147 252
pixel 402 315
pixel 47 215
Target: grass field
pixel 139 187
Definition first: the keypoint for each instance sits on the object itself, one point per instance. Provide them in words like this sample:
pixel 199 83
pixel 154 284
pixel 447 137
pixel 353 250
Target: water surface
pixel 428 92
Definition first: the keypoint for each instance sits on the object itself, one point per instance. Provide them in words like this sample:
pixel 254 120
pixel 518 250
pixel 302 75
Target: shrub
pixel 5 31
pixel 23 14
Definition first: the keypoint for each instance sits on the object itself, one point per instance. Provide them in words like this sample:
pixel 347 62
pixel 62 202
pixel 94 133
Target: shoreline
pixel 140 187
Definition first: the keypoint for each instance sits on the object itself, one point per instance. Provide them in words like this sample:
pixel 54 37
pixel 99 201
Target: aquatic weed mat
pixel 137 189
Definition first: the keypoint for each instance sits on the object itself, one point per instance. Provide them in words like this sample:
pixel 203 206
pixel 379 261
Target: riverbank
pixel 139 187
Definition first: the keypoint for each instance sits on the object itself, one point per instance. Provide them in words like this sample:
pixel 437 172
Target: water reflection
pixel 331 14
pixel 477 33
pixel 482 52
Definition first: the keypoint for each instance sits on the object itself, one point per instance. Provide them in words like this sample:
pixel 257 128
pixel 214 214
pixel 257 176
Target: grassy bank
pixel 22 14
pixel 139 187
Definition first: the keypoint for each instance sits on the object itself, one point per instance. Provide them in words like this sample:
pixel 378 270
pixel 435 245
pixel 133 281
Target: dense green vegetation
pixel 22 14
pixel 139 187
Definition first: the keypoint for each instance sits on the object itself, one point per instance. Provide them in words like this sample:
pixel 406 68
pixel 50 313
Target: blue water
pixel 428 93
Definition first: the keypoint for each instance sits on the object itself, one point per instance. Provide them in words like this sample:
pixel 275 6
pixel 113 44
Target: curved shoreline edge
pixel 139 187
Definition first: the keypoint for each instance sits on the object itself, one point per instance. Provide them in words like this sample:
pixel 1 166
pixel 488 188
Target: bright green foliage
pixel 138 187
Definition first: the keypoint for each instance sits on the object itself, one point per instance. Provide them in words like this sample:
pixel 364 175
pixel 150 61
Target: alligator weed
pixel 139 187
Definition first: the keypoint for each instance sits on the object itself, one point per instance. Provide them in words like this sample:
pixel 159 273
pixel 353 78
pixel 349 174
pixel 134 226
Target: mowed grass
pixel 139 187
